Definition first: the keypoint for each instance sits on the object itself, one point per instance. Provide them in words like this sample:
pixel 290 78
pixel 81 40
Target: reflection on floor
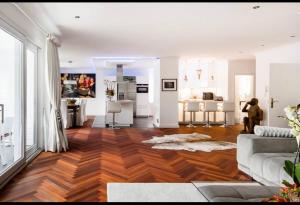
pixel 143 122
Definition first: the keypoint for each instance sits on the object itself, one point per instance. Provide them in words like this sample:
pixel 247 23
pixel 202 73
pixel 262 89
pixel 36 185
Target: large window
pixel 11 133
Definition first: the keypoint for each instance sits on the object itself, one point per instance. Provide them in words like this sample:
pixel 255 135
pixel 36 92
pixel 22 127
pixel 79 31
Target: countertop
pixel 125 101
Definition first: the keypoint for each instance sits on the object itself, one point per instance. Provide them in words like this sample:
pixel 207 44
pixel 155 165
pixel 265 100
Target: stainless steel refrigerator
pixel 126 90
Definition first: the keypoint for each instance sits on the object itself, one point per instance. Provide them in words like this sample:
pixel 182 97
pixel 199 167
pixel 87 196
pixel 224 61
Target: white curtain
pixel 56 140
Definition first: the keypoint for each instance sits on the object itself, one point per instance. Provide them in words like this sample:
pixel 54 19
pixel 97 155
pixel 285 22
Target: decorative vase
pixel 298 150
pixel 298 140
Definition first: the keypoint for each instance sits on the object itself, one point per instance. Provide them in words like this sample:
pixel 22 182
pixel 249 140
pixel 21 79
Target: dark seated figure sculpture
pixel 255 115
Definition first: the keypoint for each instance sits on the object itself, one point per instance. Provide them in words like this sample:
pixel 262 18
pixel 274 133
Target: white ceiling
pixel 219 30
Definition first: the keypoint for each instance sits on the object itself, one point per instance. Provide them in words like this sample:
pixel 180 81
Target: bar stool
pixel 113 107
pixel 227 107
pixel 210 106
pixel 192 107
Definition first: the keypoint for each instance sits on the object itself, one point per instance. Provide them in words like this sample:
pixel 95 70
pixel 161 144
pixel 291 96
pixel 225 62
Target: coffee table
pixel 163 192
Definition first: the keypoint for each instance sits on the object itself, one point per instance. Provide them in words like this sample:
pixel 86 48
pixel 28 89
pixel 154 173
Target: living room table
pixel 178 192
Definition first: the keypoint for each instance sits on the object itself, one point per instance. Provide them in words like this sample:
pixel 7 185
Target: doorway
pixel 283 91
pixel 244 91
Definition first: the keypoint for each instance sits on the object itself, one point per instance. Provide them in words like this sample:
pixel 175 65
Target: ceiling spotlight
pixel 256 7
pixel 70 61
pixel 77 17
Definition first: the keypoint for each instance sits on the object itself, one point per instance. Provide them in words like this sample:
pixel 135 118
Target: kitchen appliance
pixel 142 88
pixel 126 87
pixel 142 100
pixel 208 96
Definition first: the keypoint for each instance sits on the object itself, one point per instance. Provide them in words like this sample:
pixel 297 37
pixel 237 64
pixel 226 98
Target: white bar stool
pixel 227 107
pixel 210 106
pixel 113 107
pixel 192 107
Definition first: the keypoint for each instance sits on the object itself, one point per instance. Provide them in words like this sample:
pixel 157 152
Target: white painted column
pixel 168 108
pixel 96 106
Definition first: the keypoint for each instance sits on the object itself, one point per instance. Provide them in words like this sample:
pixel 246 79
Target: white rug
pixel 177 138
pixel 189 142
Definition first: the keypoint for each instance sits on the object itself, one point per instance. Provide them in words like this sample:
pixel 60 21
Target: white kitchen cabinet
pixel 142 104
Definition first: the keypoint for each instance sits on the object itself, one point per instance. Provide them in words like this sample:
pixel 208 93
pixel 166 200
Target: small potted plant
pixel 71 101
pixel 110 89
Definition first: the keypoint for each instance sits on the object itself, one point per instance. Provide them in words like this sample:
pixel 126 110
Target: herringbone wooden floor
pixel 98 156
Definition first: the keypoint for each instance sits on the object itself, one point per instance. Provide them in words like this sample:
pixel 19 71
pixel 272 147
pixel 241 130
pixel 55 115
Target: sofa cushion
pixel 249 144
pixel 237 193
pixel 270 166
pixel 273 169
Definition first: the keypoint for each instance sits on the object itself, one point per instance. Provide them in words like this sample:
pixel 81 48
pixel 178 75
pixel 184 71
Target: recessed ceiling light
pixel 292 36
pixel 70 61
pixel 77 17
pixel 256 7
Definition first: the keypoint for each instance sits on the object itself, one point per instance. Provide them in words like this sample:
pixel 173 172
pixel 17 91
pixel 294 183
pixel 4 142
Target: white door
pixel 284 90
pixel 244 91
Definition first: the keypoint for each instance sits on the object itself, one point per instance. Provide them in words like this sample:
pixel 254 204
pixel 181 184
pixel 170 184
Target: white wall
pixel 195 87
pixel 235 67
pixel 288 53
pixel 11 15
pixel 221 78
pixel 168 99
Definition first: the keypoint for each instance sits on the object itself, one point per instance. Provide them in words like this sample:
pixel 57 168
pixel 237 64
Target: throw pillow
pixel 267 131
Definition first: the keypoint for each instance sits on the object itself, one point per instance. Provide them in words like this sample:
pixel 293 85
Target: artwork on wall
pixel 169 84
pixel 78 85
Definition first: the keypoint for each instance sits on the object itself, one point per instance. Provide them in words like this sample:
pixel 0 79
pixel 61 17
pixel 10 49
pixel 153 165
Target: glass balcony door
pixel 31 99
pixel 12 154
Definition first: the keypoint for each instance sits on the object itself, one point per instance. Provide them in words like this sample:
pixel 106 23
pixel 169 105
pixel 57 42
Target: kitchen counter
pixel 125 117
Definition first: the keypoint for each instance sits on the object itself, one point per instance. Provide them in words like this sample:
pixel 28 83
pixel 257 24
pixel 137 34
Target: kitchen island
pixel 125 117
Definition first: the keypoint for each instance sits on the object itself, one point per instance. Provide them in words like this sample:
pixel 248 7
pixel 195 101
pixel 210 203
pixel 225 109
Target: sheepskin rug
pixel 189 142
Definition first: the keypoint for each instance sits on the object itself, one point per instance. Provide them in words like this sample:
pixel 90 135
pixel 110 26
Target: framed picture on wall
pixel 169 84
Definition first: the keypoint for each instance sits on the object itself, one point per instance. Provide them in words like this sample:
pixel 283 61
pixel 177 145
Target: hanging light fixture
pixel 199 71
pixel 212 76
pixel 185 68
pixel 185 78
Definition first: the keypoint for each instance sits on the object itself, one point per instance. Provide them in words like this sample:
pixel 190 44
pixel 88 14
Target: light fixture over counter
pixel 199 71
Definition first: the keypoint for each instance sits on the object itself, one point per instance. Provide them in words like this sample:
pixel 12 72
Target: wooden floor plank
pixel 98 156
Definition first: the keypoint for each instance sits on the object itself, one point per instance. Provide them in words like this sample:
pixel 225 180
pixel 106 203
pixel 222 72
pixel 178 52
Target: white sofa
pixel 263 158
